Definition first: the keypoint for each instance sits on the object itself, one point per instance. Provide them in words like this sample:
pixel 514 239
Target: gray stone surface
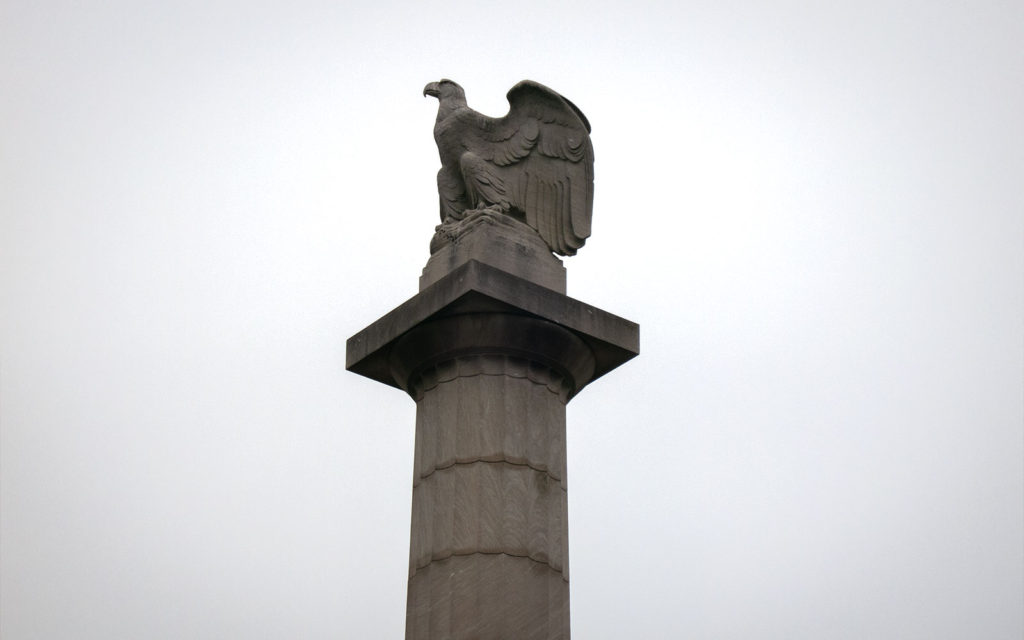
pixel 489 539
pixel 487 597
pixel 475 287
pixel 497 240
pixel 535 164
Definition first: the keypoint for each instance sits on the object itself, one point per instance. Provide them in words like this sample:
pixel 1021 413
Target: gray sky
pixel 815 213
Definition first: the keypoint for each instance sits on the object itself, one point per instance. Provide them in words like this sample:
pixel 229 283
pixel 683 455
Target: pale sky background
pixel 815 211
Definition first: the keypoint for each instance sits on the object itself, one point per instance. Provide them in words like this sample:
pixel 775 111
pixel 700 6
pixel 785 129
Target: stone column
pixel 489 539
pixel 491 360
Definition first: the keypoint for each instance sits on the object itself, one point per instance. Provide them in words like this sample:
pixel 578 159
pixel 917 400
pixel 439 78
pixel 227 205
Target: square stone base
pixel 497 240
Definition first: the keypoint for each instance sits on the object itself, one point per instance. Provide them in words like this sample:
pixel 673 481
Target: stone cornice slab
pixel 475 287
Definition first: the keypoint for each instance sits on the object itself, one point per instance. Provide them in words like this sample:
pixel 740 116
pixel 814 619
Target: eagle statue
pixel 535 164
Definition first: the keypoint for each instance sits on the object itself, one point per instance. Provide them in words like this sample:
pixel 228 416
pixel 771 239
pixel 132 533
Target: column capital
pixel 477 288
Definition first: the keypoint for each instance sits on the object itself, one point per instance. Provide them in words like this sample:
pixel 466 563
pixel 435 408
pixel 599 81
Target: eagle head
pixel 445 89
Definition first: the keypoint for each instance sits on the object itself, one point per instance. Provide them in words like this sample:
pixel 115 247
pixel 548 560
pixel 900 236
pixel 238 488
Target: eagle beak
pixel 432 89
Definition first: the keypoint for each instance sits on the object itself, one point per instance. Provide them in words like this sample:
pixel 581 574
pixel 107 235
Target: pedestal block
pixel 491 360
pixel 497 240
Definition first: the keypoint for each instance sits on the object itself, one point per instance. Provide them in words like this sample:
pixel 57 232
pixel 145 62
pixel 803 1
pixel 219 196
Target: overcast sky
pixel 815 212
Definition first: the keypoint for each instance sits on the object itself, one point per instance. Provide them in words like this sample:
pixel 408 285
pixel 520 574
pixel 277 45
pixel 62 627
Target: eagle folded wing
pixel 558 189
pixel 542 153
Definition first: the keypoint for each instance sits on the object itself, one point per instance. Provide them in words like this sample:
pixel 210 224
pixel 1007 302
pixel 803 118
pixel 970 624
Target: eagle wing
pixel 543 153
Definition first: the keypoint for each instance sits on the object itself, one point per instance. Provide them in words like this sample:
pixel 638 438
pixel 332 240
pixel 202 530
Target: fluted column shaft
pixel 489 540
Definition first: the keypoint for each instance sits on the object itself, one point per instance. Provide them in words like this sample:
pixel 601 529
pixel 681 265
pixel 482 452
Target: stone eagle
pixel 535 164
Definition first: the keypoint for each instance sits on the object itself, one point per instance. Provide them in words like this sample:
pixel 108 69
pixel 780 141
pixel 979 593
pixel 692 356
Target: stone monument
pixel 492 349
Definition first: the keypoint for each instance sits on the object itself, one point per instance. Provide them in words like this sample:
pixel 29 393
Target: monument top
pixel 492 349
pixel 533 168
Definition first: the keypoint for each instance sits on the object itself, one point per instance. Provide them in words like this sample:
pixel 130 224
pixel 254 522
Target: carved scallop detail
pixel 490 508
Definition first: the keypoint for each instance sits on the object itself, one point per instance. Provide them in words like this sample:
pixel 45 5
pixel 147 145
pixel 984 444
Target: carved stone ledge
pixel 476 287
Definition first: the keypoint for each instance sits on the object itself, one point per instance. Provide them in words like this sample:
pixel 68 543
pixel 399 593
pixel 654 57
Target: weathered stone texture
pixel 502 409
pixel 487 597
pixel 489 495
pixel 490 466
pixel 497 240
pixel 491 360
